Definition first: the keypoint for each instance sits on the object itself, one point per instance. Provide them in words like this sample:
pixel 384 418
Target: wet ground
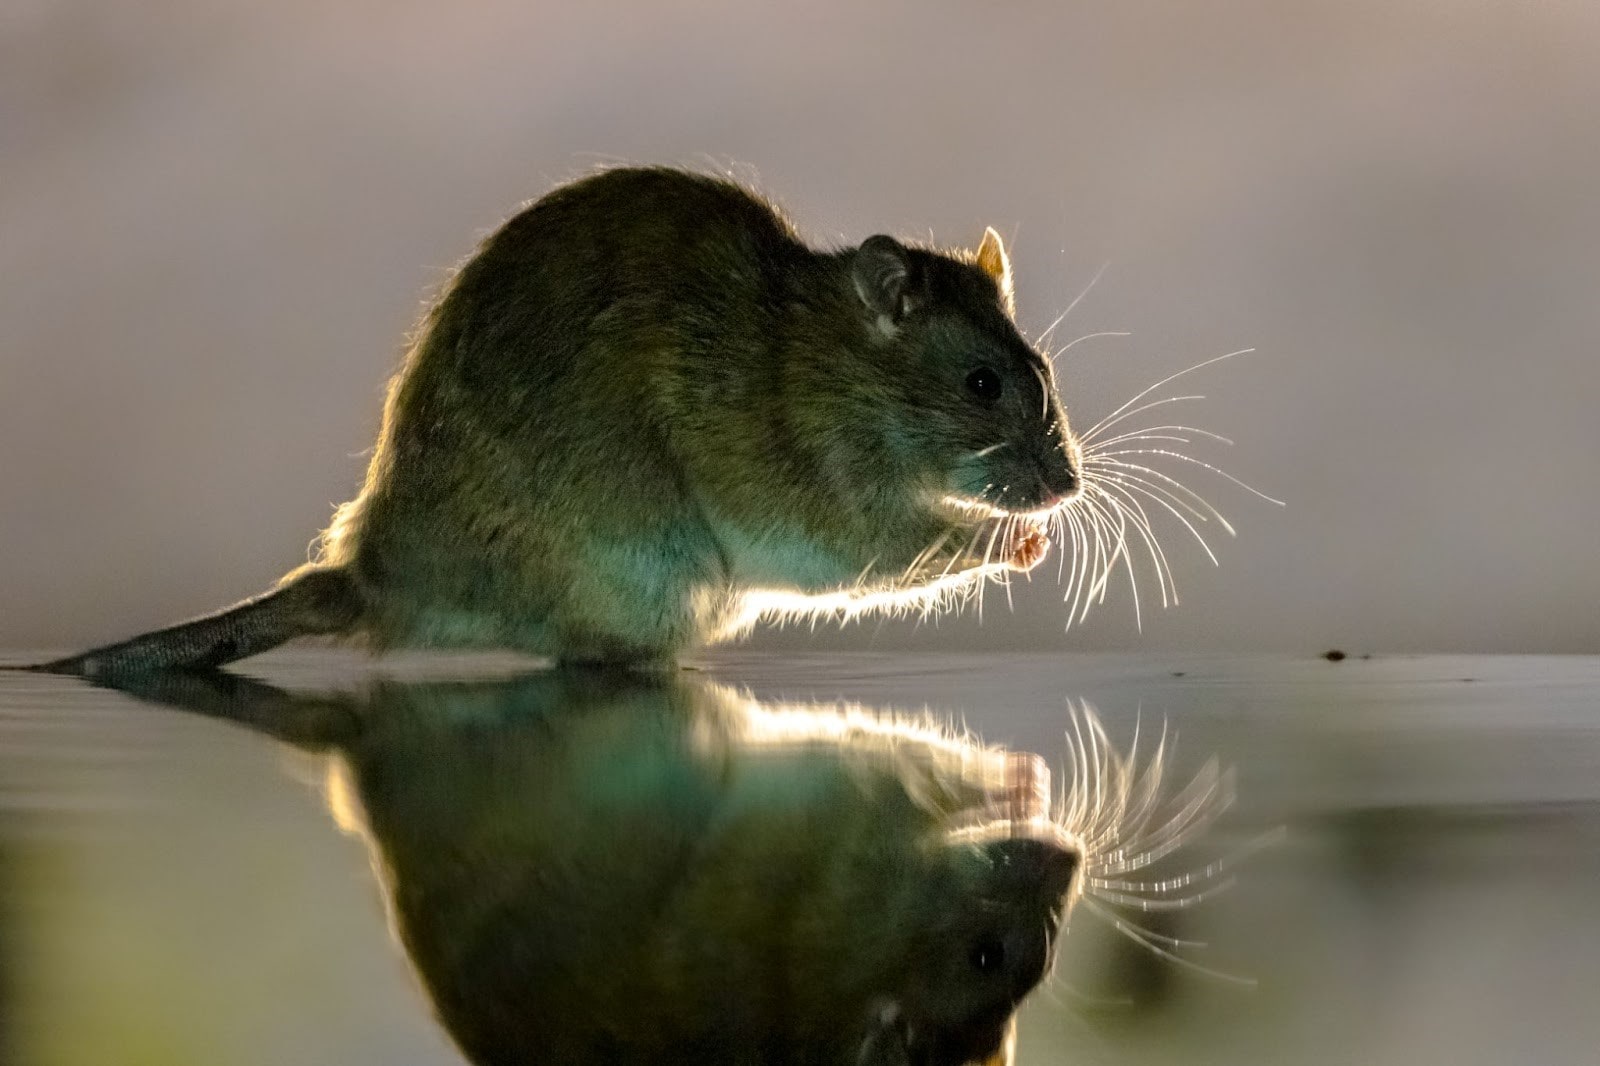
pixel 173 889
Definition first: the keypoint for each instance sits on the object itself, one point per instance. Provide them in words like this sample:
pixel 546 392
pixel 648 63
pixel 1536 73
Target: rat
pixel 645 414
pixel 617 868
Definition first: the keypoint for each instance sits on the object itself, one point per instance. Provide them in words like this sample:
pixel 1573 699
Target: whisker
pixel 988 552
pixel 1087 544
pixel 1005 577
pixel 1110 420
pixel 1169 378
pixel 1113 806
pixel 1163 938
pixel 1198 462
pixel 1145 903
pixel 1135 517
pixel 909 573
pixel 1210 872
pixel 1125 928
pixel 1162 485
pixel 1195 816
pixel 1140 434
pixel 1114 520
pixel 1045 336
pixel 1124 492
pixel 1110 542
pixel 1087 337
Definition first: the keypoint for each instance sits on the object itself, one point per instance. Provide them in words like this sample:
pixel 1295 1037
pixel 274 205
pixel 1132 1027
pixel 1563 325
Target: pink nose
pixel 1055 497
pixel 1060 484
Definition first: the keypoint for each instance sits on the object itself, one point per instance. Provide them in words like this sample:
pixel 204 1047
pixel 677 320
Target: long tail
pixel 311 602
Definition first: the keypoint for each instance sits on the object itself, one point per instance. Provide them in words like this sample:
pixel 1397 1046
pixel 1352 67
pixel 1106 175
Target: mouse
pixel 645 414
pixel 611 867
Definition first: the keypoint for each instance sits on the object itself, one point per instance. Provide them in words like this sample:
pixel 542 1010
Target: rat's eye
pixel 987 955
pixel 984 383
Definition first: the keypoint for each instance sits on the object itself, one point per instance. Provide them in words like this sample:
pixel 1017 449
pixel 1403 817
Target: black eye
pixel 984 383
pixel 987 955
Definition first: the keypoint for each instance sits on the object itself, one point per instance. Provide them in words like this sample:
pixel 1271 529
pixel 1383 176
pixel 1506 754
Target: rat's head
pixel 982 418
pixel 997 906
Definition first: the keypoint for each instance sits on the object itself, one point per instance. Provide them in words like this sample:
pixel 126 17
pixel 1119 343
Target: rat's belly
pixel 785 563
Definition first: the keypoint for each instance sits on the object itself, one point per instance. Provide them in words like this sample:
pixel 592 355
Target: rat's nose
pixel 1061 473
pixel 1059 484
pixel 1041 865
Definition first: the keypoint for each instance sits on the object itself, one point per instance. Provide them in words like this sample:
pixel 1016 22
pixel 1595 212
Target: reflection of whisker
pixel 1146 939
pixel 1118 812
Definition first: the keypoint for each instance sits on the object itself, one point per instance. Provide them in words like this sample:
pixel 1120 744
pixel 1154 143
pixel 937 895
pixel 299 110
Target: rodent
pixel 644 411
pixel 612 868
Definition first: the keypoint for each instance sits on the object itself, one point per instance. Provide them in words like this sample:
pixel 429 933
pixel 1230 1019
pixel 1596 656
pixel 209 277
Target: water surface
pixel 173 889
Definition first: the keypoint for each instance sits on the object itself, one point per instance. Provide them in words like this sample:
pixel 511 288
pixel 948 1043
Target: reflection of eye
pixel 987 955
pixel 984 383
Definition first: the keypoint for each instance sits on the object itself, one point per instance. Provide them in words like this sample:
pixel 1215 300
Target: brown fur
pixel 644 398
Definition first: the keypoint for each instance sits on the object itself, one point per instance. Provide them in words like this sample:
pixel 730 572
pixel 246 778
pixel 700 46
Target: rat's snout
pixel 1061 479
pixel 1059 487
pixel 1050 865
pixel 1037 863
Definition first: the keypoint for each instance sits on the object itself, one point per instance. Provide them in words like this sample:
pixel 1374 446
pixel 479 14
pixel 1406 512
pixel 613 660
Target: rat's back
pixel 528 441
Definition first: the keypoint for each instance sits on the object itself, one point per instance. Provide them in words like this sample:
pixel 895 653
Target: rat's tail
pixel 309 602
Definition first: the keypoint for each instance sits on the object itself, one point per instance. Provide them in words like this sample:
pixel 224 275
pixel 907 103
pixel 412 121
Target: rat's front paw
pixel 1027 546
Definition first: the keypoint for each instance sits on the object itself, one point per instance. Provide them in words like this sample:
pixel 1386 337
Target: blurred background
pixel 218 220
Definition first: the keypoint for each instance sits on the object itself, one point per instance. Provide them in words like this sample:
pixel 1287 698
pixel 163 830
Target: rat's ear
pixel 993 261
pixel 881 271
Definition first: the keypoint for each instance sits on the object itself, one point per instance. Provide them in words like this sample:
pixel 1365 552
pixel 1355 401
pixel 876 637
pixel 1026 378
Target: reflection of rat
pixel 644 414
pixel 602 868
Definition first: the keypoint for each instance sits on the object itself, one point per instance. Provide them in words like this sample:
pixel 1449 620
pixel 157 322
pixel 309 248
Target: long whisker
pixel 1045 336
pixel 1169 378
pixel 1163 485
pixel 1113 808
pixel 1086 544
pixel 1161 891
pixel 1086 438
pixel 1145 903
pixel 1214 469
pixel 1115 520
pixel 1122 490
pixel 1087 337
pixel 1134 516
pixel 1167 485
pixel 1143 940
pixel 1110 544
pixel 1141 434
